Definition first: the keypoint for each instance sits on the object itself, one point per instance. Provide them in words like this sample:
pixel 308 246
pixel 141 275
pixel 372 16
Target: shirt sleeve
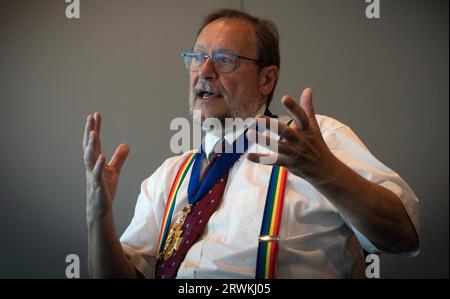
pixel 346 146
pixel 140 238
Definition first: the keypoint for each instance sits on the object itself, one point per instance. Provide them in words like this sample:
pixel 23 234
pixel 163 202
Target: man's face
pixel 236 94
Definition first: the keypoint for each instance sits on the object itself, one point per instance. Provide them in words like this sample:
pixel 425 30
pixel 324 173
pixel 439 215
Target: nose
pixel 207 71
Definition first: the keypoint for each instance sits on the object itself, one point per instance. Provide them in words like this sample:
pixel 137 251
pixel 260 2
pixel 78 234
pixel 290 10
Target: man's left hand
pixel 301 148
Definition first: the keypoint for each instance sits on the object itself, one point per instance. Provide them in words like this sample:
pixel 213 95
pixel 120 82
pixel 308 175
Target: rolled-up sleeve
pixel 140 237
pixel 346 146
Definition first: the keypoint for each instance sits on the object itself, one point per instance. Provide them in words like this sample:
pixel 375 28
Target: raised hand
pixel 101 177
pixel 301 148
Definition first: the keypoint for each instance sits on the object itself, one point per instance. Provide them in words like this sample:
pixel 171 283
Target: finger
pixel 262 158
pixel 297 112
pixel 119 157
pixel 268 159
pixel 98 122
pixel 89 151
pixel 264 140
pixel 306 102
pixel 98 168
pixel 273 144
pixel 87 129
pixel 264 122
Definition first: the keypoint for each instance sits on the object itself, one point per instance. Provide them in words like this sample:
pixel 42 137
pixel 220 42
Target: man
pixel 338 198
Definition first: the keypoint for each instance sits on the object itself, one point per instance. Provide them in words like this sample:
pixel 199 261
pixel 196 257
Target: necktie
pixel 194 225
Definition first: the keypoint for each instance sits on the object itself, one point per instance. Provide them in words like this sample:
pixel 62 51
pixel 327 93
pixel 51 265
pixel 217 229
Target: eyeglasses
pixel 223 62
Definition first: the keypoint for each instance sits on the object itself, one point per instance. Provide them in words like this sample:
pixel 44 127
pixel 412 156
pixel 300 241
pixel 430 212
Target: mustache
pixel 205 86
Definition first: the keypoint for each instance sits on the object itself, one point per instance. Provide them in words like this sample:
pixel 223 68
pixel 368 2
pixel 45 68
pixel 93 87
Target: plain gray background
pixel 387 78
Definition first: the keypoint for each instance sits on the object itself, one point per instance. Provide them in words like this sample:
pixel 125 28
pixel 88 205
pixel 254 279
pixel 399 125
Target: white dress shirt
pixel 315 240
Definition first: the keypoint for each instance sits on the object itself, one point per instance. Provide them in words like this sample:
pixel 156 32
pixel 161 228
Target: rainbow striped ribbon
pixel 170 206
pixel 270 227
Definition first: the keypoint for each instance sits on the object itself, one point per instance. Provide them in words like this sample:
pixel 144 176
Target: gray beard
pixel 236 112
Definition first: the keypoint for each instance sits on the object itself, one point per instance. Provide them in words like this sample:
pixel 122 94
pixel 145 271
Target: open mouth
pixel 206 95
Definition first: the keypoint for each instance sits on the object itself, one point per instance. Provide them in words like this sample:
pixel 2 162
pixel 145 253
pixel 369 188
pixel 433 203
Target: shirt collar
pixel 211 139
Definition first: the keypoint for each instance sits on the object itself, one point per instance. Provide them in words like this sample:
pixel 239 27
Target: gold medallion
pixel 174 237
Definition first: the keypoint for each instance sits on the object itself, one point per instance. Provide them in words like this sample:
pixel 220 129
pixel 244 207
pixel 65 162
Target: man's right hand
pixel 101 177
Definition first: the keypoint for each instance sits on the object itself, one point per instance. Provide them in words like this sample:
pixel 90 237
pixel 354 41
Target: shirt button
pixel 210 191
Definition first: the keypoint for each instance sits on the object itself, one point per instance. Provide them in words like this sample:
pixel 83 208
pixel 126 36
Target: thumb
pixel 306 103
pixel 119 157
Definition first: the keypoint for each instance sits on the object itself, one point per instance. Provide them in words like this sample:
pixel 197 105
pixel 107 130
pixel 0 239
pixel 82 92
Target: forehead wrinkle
pixel 230 34
pixel 220 50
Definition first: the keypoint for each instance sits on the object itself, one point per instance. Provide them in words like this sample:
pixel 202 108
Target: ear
pixel 268 79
